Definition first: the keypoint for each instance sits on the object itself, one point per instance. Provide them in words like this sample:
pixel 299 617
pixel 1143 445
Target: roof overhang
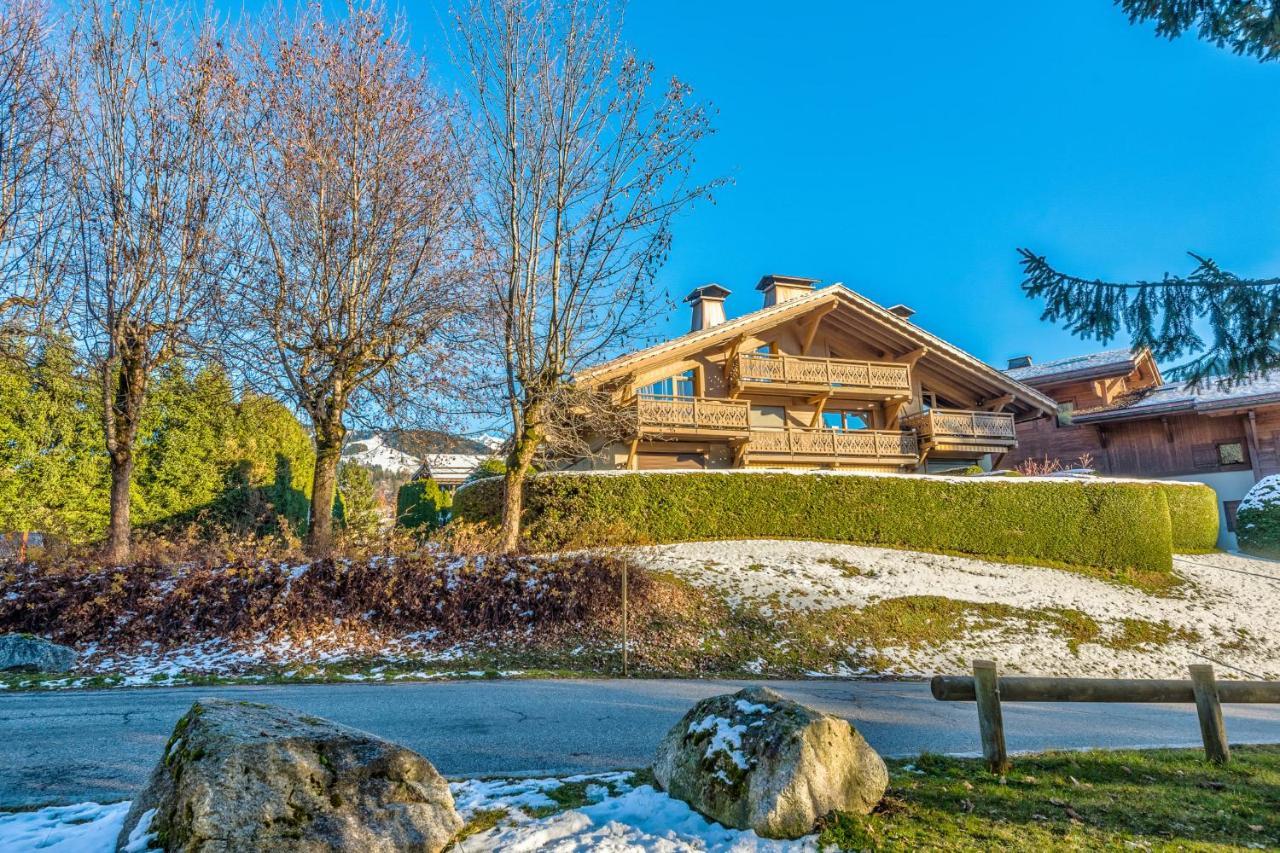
pixel 940 355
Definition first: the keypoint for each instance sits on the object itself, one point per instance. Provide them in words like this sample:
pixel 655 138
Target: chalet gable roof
pixel 1077 368
pixel 941 355
pixel 1213 396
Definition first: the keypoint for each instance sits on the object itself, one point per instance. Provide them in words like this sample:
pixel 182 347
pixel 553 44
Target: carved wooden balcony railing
pixel 835 446
pixel 834 376
pixel 961 427
pixel 692 415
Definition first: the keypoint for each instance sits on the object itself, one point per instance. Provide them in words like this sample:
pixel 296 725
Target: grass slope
pixel 1124 800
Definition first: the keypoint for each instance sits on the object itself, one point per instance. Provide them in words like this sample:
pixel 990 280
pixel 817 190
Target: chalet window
pixel 1230 453
pixel 1066 410
pixel 1229 509
pixel 680 385
pixel 842 420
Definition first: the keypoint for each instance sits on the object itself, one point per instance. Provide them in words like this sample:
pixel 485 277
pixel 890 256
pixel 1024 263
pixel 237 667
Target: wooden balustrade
pixel 963 424
pixel 872 379
pixel 890 446
pixel 692 414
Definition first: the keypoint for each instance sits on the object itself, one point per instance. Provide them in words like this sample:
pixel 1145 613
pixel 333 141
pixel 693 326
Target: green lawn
pixel 1130 800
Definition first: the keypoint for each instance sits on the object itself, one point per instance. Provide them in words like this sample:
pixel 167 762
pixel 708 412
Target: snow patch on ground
pixel 619 817
pixel 82 828
pixel 623 818
pixel 1228 599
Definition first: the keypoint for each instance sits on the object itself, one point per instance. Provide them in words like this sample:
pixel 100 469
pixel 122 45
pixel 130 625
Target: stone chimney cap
pixel 707 291
pixel 1019 361
pixel 772 279
pixel 903 311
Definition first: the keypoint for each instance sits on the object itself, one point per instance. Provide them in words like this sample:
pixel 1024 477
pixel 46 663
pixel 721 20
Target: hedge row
pixel 1115 526
pixel 1193 517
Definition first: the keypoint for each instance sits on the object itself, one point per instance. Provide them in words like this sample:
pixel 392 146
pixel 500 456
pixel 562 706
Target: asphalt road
pixel 64 747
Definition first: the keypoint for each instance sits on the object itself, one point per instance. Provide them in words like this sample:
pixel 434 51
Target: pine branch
pixel 1243 316
pixel 1246 28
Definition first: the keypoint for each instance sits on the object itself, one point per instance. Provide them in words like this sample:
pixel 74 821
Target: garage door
pixel 653 461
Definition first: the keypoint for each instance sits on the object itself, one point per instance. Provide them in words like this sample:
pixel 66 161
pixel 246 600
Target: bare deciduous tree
pixel 146 157
pixel 29 203
pixel 585 161
pixel 353 185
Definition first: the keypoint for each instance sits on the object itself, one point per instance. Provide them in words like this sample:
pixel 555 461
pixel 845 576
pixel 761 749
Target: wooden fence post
pixel 990 720
pixel 1212 728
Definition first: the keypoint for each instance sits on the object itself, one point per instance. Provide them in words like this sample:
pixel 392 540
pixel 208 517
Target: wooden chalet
pixel 1116 410
pixel 816 378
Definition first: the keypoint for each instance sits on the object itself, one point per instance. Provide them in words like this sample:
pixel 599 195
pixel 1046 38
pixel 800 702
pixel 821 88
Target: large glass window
pixel 846 420
pixel 681 385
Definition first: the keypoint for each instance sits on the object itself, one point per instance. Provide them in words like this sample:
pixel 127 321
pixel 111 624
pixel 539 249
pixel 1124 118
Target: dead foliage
pixel 454 598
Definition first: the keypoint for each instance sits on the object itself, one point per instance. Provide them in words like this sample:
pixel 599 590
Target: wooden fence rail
pixel 988 690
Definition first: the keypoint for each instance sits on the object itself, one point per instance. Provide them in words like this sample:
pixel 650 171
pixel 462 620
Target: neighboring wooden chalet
pixel 817 378
pixel 449 470
pixel 1115 409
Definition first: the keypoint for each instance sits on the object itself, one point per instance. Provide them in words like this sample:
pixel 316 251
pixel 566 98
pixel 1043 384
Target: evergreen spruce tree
pixel 1242 314
pixel 356 507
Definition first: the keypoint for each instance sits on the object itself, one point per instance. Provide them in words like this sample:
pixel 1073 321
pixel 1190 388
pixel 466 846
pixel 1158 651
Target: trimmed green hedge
pixel 1193 517
pixel 1113 526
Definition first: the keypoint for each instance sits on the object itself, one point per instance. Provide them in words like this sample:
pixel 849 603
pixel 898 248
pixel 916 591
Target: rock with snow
pixel 754 760
pixel 28 653
pixel 245 776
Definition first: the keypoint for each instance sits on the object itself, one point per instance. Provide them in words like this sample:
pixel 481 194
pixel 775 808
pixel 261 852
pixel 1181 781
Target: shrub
pixel 1258 518
pixel 1193 516
pixel 488 468
pixel 356 509
pixel 1112 526
pixel 258 601
pixel 422 504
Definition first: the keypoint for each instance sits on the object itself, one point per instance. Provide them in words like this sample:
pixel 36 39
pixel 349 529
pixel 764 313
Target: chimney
pixel 780 288
pixel 1019 361
pixel 903 311
pixel 708 306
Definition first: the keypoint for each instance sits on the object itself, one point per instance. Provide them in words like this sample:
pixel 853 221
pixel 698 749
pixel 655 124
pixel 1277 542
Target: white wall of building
pixel 1230 486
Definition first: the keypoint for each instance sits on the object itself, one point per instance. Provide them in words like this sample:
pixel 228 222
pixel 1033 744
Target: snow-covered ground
pixel 616 817
pixel 1230 601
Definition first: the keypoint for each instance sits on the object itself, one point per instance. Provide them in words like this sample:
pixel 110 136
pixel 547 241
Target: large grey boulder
pixel 754 760
pixel 27 653
pixel 243 776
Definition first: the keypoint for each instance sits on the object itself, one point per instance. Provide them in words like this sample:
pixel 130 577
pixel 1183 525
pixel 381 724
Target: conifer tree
pixel 1243 314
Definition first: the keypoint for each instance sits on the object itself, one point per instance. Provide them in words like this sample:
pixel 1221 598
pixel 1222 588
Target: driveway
pixel 64 747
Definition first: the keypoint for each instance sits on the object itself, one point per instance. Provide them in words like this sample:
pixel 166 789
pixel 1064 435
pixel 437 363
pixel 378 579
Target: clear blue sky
pixel 908 150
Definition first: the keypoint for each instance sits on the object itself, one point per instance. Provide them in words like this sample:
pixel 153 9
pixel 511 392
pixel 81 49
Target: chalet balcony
pixel 698 417
pixel 835 447
pixel 834 377
pixel 962 430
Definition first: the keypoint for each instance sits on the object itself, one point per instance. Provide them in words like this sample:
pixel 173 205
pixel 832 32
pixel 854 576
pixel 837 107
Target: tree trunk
pixel 518 463
pixel 324 488
pixel 127 389
pixel 119 541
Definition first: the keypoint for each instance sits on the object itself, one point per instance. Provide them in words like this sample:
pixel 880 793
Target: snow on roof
pixel 1212 394
pixel 452 467
pixel 1118 358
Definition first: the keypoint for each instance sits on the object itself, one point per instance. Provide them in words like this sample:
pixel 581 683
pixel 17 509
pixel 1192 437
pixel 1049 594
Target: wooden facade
pixel 1122 420
pixel 814 379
